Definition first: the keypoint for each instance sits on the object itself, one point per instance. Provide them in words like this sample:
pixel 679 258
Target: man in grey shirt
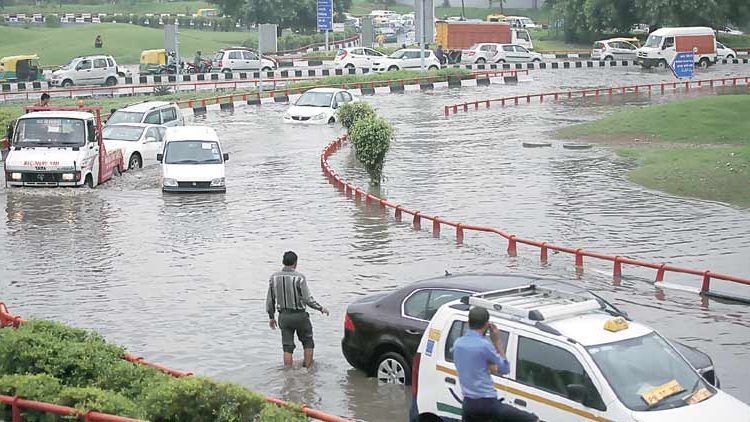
pixel 288 293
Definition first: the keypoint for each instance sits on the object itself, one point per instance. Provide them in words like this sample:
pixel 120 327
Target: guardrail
pixel 350 190
pixel 16 403
pixel 647 89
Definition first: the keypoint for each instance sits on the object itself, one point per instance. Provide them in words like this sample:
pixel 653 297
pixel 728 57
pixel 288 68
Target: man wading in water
pixel 288 293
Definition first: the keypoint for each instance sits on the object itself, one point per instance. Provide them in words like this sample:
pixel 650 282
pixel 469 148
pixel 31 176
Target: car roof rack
pixel 534 303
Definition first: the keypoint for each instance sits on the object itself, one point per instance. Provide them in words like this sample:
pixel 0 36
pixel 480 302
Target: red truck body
pixel 462 35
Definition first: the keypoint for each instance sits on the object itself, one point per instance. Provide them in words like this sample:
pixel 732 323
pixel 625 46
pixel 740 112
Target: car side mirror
pixel 577 392
pixel 226 156
pixel 159 157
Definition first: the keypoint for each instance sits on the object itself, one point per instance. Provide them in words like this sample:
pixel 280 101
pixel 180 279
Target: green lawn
pixel 125 42
pixel 124 6
pixel 735 41
pixel 698 147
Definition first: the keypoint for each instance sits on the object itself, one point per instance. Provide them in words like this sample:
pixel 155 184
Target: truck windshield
pixel 50 132
pixel 122 132
pixel 653 41
pixel 192 152
pixel 125 117
pixel 641 365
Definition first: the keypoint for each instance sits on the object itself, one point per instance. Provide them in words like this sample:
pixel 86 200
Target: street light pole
pixel 422 35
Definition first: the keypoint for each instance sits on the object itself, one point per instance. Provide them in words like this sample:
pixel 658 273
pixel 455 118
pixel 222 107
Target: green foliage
pixel 41 387
pixel 162 90
pixel 371 137
pixel 52 21
pixel 92 398
pixel 350 112
pixel 273 413
pixel 295 14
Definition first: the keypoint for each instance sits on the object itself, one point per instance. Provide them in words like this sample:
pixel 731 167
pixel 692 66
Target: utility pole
pixel 422 36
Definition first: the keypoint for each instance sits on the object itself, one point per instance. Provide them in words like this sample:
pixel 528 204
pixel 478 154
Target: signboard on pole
pixel 683 64
pixel 424 21
pixel 267 40
pixel 325 15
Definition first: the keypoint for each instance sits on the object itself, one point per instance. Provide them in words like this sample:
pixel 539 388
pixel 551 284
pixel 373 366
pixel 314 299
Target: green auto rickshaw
pixel 153 62
pixel 24 68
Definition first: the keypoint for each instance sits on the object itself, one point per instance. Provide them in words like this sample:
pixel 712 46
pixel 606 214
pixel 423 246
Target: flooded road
pixel 181 280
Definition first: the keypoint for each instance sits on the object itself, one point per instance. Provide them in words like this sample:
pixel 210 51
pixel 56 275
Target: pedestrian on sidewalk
pixel 476 358
pixel 289 295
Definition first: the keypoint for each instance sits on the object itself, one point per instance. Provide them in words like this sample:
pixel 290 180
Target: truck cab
pixel 59 147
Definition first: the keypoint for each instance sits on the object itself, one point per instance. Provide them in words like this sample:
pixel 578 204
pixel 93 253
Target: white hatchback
pixel 318 106
pixel 192 160
pixel 572 357
pixel 139 142
pixel 724 53
pixel 511 53
pixel 407 58
pixel 356 58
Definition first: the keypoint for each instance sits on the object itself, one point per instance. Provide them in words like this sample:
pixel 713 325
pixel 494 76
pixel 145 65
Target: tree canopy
pixel 295 14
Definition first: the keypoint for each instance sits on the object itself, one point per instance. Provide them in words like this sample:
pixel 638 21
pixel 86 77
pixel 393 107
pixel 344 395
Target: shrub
pixel 52 21
pixel 273 413
pixel 349 113
pixel 371 137
pixel 92 398
pixel 41 387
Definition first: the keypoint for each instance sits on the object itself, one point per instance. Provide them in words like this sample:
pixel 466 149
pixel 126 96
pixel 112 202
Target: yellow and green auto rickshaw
pixel 153 62
pixel 23 68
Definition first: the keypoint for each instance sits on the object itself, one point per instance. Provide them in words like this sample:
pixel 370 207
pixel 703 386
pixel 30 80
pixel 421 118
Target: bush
pixel 92 398
pixel 41 387
pixel 350 112
pixel 371 137
pixel 52 21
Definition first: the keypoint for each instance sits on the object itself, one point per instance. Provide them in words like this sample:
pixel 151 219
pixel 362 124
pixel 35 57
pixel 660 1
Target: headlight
pixel 320 116
pixel 68 177
pixel 169 182
pixel 15 176
pixel 218 182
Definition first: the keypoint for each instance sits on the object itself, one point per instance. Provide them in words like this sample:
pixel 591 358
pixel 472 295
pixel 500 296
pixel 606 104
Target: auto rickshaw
pixel 153 62
pixel 495 18
pixel 23 68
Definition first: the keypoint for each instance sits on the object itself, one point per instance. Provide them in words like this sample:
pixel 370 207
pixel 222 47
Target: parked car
pixel 356 57
pixel 390 34
pixel 512 53
pixel 151 112
pixel 480 53
pixel 318 106
pixel 139 142
pixel 572 357
pixel 233 59
pixel 407 58
pixel 730 31
pixel 382 331
pixel 520 22
pixel 724 53
pixel 640 29
pixel 88 70
pixel 192 160
pixel 615 49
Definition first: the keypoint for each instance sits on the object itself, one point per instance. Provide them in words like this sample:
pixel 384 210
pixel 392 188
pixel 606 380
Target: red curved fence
pixel 350 190
pixel 647 89
pixel 16 403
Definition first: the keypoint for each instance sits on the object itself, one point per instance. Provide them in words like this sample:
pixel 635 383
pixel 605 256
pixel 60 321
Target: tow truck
pixel 60 146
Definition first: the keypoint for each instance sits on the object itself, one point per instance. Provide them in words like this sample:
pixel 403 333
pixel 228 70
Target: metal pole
pixel 326 40
pixel 422 36
pixel 260 61
pixel 463 10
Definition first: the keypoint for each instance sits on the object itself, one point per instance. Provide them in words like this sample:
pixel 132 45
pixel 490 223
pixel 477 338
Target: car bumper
pixel 648 62
pixel 353 354
pixel 45 184
pixel 308 121
pixel 180 189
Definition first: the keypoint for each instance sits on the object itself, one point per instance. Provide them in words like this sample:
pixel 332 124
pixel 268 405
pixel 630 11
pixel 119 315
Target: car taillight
pixel 348 324
pixel 415 374
pixel 342 54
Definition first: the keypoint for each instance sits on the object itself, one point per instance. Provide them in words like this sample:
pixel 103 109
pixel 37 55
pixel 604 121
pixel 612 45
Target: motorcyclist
pixel 198 62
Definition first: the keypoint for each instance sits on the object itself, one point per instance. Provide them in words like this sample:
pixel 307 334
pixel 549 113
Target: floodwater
pixel 181 280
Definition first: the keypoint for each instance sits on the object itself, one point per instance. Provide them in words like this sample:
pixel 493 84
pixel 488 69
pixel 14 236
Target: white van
pixel 149 112
pixel 573 357
pixel 192 160
pixel 664 43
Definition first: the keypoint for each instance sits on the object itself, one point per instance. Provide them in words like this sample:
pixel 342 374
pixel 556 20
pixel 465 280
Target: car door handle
pixel 450 380
pixel 520 402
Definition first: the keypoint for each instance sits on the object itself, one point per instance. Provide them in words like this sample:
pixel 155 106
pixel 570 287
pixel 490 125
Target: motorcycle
pixel 204 67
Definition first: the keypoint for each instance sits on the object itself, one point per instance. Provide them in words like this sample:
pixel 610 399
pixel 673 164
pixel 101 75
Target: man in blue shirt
pixel 475 357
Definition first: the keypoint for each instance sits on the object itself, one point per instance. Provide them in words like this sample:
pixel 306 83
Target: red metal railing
pixel 646 89
pixel 513 240
pixel 16 403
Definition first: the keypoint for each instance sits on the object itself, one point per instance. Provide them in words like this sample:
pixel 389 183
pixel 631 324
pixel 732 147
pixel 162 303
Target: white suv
pixel 88 70
pixel 151 112
pixel 356 57
pixel 572 357
pixel 234 59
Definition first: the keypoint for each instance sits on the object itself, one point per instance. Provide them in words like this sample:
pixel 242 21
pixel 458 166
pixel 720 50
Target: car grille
pixel 194 184
pixel 301 118
pixel 41 177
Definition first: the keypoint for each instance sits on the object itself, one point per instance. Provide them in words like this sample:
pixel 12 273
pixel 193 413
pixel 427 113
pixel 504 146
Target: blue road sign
pixel 325 15
pixel 683 64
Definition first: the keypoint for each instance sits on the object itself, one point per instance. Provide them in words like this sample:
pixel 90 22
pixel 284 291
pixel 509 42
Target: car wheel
pixel 730 57
pixel 266 69
pixel 111 81
pixel 662 64
pixel 117 172
pixel 135 161
pixel 433 67
pixel 332 120
pixel 501 61
pixel 66 83
pixel 536 60
pixel 392 369
pixel 89 182
pixel 608 59
pixel 227 70
pixel 481 60
pixel 392 68
pixel 349 66
pixel 704 63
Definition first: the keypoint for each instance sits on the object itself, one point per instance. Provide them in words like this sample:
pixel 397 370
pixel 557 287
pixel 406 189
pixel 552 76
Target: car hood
pixel 193 172
pixel 721 406
pixel 47 159
pixel 307 111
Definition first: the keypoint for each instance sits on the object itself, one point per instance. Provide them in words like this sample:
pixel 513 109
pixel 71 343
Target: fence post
pixel 543 253
pixel 397 215
pixel 368 198
pixel 445 110
pixel 417 222
pixel 660 273
pixel 617 271
pixel 579 259
pixel 512 251
pixel 15 411
pixel 459 234
pixel 382 204
pixel 436 226
pixel 706 282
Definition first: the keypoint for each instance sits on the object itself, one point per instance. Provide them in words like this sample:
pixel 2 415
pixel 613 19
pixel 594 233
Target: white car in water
pixel 139 142
pixel 318 106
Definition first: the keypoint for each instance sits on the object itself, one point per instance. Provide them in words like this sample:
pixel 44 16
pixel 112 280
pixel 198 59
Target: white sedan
pixel 139 142
pixel 407 58
pixel 318 106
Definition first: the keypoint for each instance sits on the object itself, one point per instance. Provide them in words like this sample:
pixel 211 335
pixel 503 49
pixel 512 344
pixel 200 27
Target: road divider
pixel 8 320
pixel 438 223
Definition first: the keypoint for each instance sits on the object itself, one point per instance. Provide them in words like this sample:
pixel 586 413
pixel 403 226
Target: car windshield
pixel 192 152
pixel 315 99
pixel 122 133
pixel 120 116
pixel 526 22
pixel 653 41
pixel 50 132
pixel 639 366
pixel 397 54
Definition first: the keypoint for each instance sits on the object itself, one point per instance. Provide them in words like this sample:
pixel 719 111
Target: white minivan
pixel 573 357
pixel 192 160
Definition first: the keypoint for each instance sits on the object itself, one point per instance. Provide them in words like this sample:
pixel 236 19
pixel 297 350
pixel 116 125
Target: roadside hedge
pixel 371 137
pixel 51 362
pixel 350 112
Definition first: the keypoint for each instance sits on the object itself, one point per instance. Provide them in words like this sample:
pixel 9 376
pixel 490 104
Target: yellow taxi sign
pixel 698 396
pixel 616 324
pixel 655 395
pixel 434 334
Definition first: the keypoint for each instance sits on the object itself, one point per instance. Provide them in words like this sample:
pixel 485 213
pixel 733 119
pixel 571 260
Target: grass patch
pixel 136 7
pixel 56 46
pixel 735 41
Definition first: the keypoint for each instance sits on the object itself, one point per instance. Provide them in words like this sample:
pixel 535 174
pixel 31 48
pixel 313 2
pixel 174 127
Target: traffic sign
pixel 325 15
pixel 683 64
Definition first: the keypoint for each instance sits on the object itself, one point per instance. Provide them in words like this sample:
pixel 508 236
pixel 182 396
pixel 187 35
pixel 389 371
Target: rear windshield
pixel 120 116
